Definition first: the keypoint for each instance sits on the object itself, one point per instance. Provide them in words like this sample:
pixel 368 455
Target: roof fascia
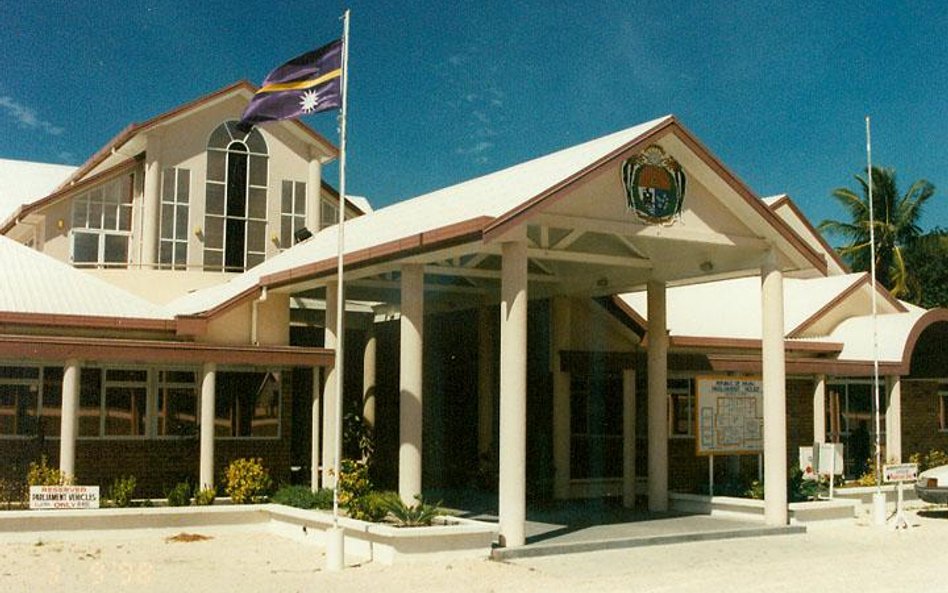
pixel 785 200
pixel 56 320
pixel 27 347
pixel 524 211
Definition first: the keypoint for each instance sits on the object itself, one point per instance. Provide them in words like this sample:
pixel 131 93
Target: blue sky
pixel 441 92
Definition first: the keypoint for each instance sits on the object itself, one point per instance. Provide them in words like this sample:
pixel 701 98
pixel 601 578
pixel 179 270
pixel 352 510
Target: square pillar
pixel 69 423
pixel 819 409
pixel 893 420
pixel 561 398
pixel 208 390
pixel 775 395
pixel 513 395
pixel 410 410
pixel 657 398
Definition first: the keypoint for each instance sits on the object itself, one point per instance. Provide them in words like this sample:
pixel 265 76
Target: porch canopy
pixel 559 225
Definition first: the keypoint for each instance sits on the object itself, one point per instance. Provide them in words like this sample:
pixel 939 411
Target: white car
pixel 932 485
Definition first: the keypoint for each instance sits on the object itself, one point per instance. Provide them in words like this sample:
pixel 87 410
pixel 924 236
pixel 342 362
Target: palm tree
pixel 896 226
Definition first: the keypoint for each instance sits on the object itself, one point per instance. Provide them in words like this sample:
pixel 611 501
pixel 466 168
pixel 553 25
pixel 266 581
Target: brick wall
pixel 920 409
pixel 157 464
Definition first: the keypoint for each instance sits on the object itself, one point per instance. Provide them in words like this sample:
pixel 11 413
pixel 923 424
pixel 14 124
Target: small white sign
pixel 902 472
pixel 829 461
pixel 64 497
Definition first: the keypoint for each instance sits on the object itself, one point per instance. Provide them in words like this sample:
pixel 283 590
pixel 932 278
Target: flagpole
pixel 335 550
pixel 878 497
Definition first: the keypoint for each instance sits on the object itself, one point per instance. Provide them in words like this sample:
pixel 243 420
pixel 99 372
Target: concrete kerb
pixel 386 544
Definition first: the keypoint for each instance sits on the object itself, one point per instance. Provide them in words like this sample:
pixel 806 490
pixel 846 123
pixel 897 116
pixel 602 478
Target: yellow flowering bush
pixel 247 481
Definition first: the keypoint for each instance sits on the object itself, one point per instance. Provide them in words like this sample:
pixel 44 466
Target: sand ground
pixel 839 556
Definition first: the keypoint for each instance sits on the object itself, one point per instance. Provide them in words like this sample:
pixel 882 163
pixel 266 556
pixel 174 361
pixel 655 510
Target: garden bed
pixel 449 537
pixel 750 508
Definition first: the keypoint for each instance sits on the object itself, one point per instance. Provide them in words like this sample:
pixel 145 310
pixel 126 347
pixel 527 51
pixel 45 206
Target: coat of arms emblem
pixel 654 184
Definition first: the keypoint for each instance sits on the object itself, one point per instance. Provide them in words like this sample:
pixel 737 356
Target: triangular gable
pixel 788 211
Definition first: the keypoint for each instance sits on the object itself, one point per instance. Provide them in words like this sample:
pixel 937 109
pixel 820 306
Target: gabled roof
pixel 477 210
pixel 38 287
pixel 461 208
pixel 788 211
pixel 22 182
pixel 133 131
pixel 732 308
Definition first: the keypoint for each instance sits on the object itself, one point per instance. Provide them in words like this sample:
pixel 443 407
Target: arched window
pixel 235 220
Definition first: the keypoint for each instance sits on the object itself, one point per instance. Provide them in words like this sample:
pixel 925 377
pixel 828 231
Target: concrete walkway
pixel 564 527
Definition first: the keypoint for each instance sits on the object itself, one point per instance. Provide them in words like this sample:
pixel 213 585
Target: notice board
pixel 729 415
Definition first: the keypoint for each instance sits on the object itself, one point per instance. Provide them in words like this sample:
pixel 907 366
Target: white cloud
pixel 26 117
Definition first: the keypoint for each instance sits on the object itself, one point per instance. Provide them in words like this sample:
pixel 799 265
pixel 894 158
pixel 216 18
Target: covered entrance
pixel 521 257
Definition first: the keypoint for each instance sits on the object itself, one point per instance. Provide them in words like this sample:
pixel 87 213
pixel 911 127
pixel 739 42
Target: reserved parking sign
pixel 64 497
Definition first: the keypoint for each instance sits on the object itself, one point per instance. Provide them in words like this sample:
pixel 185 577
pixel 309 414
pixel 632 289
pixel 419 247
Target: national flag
pixel 309 83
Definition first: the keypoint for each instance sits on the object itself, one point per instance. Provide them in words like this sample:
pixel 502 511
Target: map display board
pixel 729 415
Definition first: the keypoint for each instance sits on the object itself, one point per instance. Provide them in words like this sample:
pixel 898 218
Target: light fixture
pixel 302 234
pixel 706 266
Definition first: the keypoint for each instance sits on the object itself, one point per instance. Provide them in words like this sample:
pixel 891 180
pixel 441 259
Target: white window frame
pixel 115 194
pixel 295 217
pixel 172 199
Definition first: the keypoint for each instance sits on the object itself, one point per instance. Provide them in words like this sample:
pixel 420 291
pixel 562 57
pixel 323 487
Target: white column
pixel 485 384
pixel 411 331
pixel 208 390
pixel 369 356
pixel 561 394
pixel 315 450
pixel 69 422
pixel 329 388
pixel 513 395
pixel 628 438
pixel 775 397
pixel 657 398
pixel 151 202
pixel 313 190
pixel 819 409
pixel 893 420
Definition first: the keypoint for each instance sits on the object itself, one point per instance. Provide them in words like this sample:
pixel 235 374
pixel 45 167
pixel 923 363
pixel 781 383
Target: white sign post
pixel 900 473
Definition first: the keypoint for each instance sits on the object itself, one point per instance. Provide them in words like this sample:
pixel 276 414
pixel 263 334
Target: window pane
pixel 52 400
pixel 18 406
pixel 215 198
pixel 85 248
pixel 125 411
pixel 167 221
pixel 95 215
pixel 90 389
pixel 254 259
pixel 266 408
pixel 184 186
pixel 258 170
pixel 213 260
pixel 80 212
pixel 116 249
pixel 257 207
pixel 286 197
pixel 181 230
pixel 256 143
pixel 300 206
pixel 167 186
pixel 256 236
pixel 214 233
pixel 286 231
pixel 220 138
pixel 125 218
pixel 165 251
pixel 177 411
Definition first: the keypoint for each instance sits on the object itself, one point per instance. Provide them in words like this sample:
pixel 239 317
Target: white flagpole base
pixel 878 508
pixel 335 549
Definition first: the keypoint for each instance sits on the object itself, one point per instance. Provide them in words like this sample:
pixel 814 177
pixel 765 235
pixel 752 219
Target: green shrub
pixel 302 497
pixel 180 495
pixel 415 515
pixel 925 461
pixel 247 481
pixel 354 481
pixel 798 489
pixel 41 474
pixel 372 506
pixel 204 497
pixel 121 491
